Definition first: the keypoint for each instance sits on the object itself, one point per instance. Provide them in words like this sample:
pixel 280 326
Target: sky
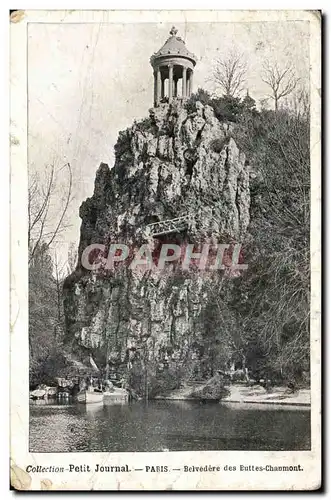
pixel 88 81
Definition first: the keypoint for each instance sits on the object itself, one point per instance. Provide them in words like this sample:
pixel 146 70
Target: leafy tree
pixel 248 103
pixel 227 108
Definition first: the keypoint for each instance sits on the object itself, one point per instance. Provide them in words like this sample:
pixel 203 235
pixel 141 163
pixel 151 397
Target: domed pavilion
pixel 173 68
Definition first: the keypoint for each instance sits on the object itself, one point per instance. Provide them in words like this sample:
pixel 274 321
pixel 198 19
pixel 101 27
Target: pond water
pixel 166 425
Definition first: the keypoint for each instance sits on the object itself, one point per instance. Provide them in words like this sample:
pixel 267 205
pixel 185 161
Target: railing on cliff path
pixel 169 226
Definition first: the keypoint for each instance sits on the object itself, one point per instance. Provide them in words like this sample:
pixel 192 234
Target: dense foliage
pixel 46 320
pixel 264 314
pixel 274 303
pixel 226 108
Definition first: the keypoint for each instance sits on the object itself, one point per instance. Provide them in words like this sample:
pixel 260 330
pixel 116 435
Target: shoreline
pixel 267 402
pixel 240 394
pixel 238 402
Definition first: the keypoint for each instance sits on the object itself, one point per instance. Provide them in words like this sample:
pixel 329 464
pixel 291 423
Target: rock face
pixel 212 390
pixel 168 165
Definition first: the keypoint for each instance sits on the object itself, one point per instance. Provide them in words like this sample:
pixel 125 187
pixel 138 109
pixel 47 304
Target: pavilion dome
pixel 173 47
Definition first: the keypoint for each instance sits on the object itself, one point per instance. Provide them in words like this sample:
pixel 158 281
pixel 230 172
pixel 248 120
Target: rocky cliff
pixel 169 165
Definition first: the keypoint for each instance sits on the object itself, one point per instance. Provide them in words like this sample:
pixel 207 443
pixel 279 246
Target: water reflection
pixel 166 425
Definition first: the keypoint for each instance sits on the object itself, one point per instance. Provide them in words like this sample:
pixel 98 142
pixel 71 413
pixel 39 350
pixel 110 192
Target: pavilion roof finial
pixel 174 47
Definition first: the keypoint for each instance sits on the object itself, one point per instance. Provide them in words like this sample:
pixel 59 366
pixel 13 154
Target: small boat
pixel 117 395
pixel 38 394
pixel 89 396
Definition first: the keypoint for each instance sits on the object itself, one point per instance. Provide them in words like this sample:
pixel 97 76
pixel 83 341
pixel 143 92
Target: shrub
pixel 200 95
pixel 226 108
pixel 213 390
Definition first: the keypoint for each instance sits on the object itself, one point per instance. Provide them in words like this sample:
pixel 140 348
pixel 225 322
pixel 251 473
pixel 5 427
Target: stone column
pixel 188 84
pixel 175 87
pixel 191 83
pixel 158 85
pixel 155 89
pixel 171 82
pixel 184 82
pixel 162 88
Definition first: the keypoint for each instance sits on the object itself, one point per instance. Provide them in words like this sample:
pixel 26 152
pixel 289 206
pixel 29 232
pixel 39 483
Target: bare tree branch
pixel 282 81
pixel 65 208
pixel 33 191
pixel 42 228
pixel 230 74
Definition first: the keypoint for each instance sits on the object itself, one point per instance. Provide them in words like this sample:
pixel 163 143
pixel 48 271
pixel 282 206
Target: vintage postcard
pixel 165 250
